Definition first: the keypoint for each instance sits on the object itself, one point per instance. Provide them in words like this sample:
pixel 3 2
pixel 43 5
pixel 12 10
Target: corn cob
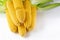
pixel 27 5
pixel 12 27
pixel 22 30
pixel 20 12
pixel 12 13
pixel 33 13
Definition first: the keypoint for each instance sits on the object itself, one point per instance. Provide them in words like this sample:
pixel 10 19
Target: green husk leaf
pixel 35 2
pixel 2 6
pixel 49 6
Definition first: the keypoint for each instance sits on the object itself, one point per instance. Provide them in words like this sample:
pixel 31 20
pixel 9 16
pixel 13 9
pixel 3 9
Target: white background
pixel 47 27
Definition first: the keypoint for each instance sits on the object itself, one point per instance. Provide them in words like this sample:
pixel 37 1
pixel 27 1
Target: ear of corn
pixel 12 12
pixel 20 12
pixel 22 30
pixel 28 13
pixel 17 3
pixel 33 13
pixel 12 26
